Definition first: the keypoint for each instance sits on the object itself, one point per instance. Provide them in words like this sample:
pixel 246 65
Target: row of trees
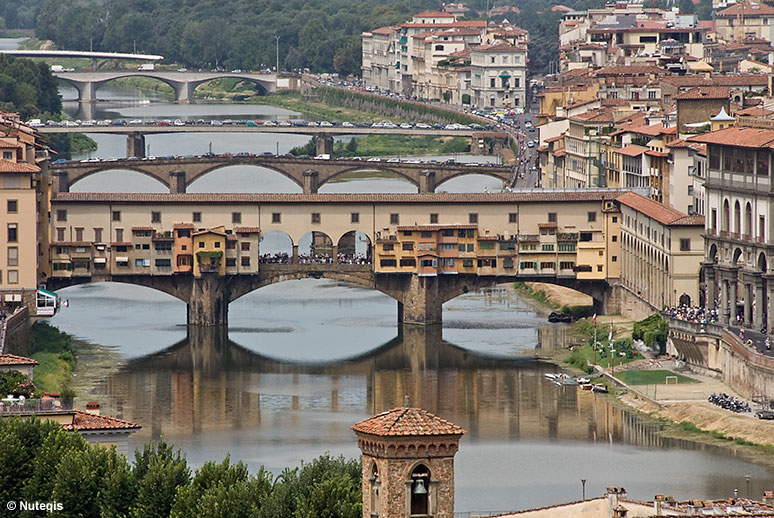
pixel 322 35
pixel 41 462
pixel 19 15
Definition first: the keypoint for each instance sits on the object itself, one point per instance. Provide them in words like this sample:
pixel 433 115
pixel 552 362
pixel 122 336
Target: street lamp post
pixel 276 70
pixel 747 481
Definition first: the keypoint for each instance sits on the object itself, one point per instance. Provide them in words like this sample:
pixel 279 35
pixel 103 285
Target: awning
pixel 122 259
pixel 47 293
pixel 505 75
pixel 100 260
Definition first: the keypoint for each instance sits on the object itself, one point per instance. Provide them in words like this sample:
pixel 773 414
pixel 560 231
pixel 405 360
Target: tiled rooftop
pixel 85 421
pixel 738 136
pixel 12 359
pixel 6 166
pixel 527 195
pixel 705 92
pixel 407 422
pixel 661 213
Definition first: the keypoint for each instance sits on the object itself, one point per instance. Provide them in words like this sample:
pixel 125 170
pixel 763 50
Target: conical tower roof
pixel 407 422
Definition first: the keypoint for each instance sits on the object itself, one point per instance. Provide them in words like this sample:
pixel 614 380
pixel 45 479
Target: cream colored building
pixel 499 75
pixel 661 251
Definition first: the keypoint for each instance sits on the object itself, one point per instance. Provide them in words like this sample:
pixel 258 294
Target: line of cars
pixel 255 123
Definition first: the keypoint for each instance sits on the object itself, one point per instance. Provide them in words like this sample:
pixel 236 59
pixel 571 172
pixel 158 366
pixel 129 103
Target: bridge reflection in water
pixel 208 384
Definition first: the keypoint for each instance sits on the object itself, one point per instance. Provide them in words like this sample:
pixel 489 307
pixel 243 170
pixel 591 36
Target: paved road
pixel 757 340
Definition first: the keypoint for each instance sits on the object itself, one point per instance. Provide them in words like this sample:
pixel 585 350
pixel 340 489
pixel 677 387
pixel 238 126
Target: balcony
pixel 23 406
pixel 567 236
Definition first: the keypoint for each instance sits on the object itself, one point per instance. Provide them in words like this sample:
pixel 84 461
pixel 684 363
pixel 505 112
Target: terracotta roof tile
pixel 632 150
pixel 753 9
pixel 661 213
pixel 527 195
pixel 738 136
pixel 6 166
pixel 142 228
pixel 705 92
pixel 407 422
pixel 183 225
pixel 12 359
pixel 246 230
pixel 85 421
pixel 384 30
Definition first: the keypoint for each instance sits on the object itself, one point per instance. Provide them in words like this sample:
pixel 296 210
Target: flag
pixel 610 334
pixel 594 319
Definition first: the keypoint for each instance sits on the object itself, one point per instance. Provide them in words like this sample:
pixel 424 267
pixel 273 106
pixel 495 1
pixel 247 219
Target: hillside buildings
pixel 437 57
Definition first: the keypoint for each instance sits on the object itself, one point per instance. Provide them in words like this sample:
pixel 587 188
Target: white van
pixel 147 67
pixel 57 68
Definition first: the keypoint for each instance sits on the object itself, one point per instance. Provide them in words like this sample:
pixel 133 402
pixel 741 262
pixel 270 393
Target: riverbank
pixel 53 350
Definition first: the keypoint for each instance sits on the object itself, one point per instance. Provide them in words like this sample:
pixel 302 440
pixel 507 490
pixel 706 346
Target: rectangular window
pixel 615 219
pixel 547 266
pixel 315 217
pixel 525 265
pixel 685 244
pixel 408 246
pixel 13 233
pixel 162 245
pixel 566 247
pixel 508 263
pixel 547 247
pixel 599 267
pixel 408 262
pixel 79 234
pixel 61 215
pixel 276 217
pixel 60 233
pixel 394 219
pixel 513 217
pixel 13 276
pixel 155 217
pixel 197 217
pixel 230 245
pixel 507 245
pixel 245 261
pixel 13 256
pixel 387 263
pixel 388 247
pixel 116 215
pixel 433 219
pixel 461 248
pixel 473 218
pixel 97 235
pixel 236 217
pixel 467 263
pixel 566 265
pixel 447 232
pixel 230 261
pixel 163 262
pixel 217 244
pixel 201 244
pixel 592 217
pixel 585 237
pixel 138 262
pixel 552 217
pixel 425 233
pixel 486 245
pixel 615 239
pixel 614 258
pixel 354 217
pixel 13 206
pixel 245 245
pixel 471 247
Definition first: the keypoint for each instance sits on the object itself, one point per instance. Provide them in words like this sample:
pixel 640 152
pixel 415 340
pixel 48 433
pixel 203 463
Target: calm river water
pixel 304 360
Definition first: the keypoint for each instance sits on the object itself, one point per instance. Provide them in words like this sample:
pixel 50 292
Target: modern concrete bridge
pixel 184 83
pixel 307 173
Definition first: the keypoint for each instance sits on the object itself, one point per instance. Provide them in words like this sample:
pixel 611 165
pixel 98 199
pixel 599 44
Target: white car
pixel 422 125
pixel 347 125
pixel 178 122
pixel 326 124
pixel 405 125
pixel 374 159
pixel 135 122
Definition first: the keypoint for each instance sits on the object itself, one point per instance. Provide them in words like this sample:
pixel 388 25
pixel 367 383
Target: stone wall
pixel 17 333
pixel 629 304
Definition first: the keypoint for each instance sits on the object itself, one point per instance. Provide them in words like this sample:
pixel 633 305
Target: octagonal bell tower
pixel 408 464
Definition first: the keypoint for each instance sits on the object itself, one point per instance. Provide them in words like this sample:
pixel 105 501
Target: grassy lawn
pixel 650 377
pixel 53 372
pixel 583 357
pixel 318 110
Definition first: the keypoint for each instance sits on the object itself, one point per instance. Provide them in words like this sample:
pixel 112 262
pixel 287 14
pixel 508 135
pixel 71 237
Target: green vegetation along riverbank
pixel 53 350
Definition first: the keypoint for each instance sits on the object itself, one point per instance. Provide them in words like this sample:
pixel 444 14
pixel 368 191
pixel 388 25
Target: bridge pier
pixel 324 144
pixel 177 182
pixel 208 304
pixel 310 182
pixel 87 91
pixel 426 181
pixel 135 145
pixel 422 301
pixel 184 91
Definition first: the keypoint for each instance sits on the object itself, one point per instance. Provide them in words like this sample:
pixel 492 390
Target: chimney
pixel 92 407
pixel 657 503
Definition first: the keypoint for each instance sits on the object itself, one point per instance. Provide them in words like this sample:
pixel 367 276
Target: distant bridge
pixel 80 54
pixel 184 83
pixel 309 174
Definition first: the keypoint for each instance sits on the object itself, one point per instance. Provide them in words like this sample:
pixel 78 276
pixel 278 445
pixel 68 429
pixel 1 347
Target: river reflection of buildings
pixel 207 383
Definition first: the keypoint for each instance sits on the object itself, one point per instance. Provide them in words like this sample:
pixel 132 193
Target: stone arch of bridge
pixel 295 178
pixel 371 166
pixel 98 84
pixel 359 279
pixel 76 176
pixel 261 86
pixel 480 172
pixel 177 288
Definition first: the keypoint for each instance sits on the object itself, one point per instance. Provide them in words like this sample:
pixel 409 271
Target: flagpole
pixel 594 345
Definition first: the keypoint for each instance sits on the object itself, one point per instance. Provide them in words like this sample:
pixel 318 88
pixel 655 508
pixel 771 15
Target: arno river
pixel 304 360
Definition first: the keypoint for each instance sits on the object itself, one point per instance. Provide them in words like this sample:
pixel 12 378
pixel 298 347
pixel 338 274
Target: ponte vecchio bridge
pixel 420 249
pixel 309 174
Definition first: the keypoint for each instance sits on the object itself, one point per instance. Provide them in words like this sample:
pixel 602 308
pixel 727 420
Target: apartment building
pixel 499 75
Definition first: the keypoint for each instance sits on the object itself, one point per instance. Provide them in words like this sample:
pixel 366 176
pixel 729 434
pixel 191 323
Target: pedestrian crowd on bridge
pixel 278 258
pixel 353 259
pixel 695 314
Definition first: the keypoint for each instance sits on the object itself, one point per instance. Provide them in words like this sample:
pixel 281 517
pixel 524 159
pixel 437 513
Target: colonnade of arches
pixel 645 269
pixel 353 247
pixel 737 221
pixel 738 286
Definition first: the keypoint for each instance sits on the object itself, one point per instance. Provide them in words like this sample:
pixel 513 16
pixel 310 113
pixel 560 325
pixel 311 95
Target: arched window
pixel 748 219
pixel 375 487
pixel 737 218
pixel 420 485
pixel 725 217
